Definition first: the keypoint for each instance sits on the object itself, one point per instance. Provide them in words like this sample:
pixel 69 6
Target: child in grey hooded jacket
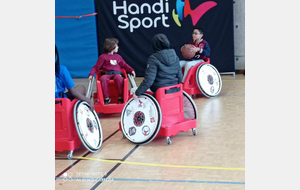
pixel 163 68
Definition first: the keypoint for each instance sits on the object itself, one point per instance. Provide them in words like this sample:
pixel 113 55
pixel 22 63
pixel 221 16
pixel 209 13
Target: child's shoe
pixel 107 100
pixel 120 100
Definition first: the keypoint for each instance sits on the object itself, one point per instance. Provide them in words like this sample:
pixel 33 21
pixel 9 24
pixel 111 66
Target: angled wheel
pixel 189 107
pixel 141 119
pixel 209 80
pixel 88 126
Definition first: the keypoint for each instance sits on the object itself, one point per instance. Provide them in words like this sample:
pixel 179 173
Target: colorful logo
pixel 128 111
pixel 132 131
pixel 146 130
pixel 141 104
pixel 183 9
pixel 138 118
pixel 90 125
pixel 86 110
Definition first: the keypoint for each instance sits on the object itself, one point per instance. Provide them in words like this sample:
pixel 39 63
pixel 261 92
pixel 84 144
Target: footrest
pixel 173 129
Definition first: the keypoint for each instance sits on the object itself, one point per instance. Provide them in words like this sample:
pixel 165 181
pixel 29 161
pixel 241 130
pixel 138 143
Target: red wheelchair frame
pixel 173 120
pixel 113 107
pixel 172 110
pixel 190 85
pixel 66 136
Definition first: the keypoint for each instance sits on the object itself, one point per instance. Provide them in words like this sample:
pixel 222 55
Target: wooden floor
pixel 213 159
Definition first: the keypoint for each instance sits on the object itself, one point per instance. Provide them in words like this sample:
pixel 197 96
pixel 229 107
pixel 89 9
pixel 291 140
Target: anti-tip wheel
pixel 168 140
pixel 70 155
pixel 194 131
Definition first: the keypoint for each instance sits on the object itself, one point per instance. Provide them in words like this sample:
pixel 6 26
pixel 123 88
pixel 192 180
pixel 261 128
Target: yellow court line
pixel 160 165
pixel 232 80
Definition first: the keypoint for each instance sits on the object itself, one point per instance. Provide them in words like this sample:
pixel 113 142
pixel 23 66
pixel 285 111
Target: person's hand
pixel 135 97
pixel 133 74
pixel 90 102
pixel 195 49
pixel 90 77
pixel 181 48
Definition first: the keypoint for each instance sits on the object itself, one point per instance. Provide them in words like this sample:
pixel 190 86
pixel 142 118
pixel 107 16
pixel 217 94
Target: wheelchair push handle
pixel 90 88
pixel 131 80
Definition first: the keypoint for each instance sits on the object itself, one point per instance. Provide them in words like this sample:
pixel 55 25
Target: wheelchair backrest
pixel 170 100
pixel 64 117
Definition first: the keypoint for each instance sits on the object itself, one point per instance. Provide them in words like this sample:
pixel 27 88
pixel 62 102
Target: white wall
pixel 239 33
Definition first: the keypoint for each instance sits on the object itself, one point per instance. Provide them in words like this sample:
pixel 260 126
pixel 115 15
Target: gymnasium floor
pixel 213 159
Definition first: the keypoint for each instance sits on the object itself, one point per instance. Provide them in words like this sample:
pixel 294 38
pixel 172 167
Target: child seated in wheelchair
pixel 163 67
pixel 111 64
pixel 64 80
pixel 201 50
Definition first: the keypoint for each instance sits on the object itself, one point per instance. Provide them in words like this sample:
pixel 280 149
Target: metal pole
pixel 131 80
pixel 90 88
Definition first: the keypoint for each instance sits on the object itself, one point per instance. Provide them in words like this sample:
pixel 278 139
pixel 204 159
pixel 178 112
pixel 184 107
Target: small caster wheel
pixel 194 131
pixel 70 155
pixel 168 140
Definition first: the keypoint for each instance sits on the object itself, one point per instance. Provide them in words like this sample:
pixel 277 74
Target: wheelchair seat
pixel 113 107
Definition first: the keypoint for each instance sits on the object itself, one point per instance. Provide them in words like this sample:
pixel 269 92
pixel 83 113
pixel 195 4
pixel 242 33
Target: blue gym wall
pixel 76 39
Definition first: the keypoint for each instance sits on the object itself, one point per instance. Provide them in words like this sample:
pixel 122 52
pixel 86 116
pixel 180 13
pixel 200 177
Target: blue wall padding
pixel 76 39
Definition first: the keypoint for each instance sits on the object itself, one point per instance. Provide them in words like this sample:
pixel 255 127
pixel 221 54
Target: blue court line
pixel 149 180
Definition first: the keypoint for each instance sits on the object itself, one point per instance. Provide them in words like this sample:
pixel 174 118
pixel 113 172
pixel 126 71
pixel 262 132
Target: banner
pixel 135 22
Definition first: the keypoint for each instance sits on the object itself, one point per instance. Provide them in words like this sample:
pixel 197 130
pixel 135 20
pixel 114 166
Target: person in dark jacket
pixel 163 68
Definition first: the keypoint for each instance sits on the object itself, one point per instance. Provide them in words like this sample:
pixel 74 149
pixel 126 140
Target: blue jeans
pixel 188 65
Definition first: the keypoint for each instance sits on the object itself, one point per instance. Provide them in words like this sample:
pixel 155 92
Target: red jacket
pixel 109 62
pixel 202 45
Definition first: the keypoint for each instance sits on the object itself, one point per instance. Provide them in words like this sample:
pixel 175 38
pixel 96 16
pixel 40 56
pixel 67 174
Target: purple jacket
pixel 108 62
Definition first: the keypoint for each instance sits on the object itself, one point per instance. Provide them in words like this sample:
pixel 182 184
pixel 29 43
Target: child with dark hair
pixel 163 67
pixel 112 64
pixel 201 50
pixel 63 80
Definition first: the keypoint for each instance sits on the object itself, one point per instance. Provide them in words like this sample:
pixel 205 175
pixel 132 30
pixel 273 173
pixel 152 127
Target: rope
pixel 77 17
